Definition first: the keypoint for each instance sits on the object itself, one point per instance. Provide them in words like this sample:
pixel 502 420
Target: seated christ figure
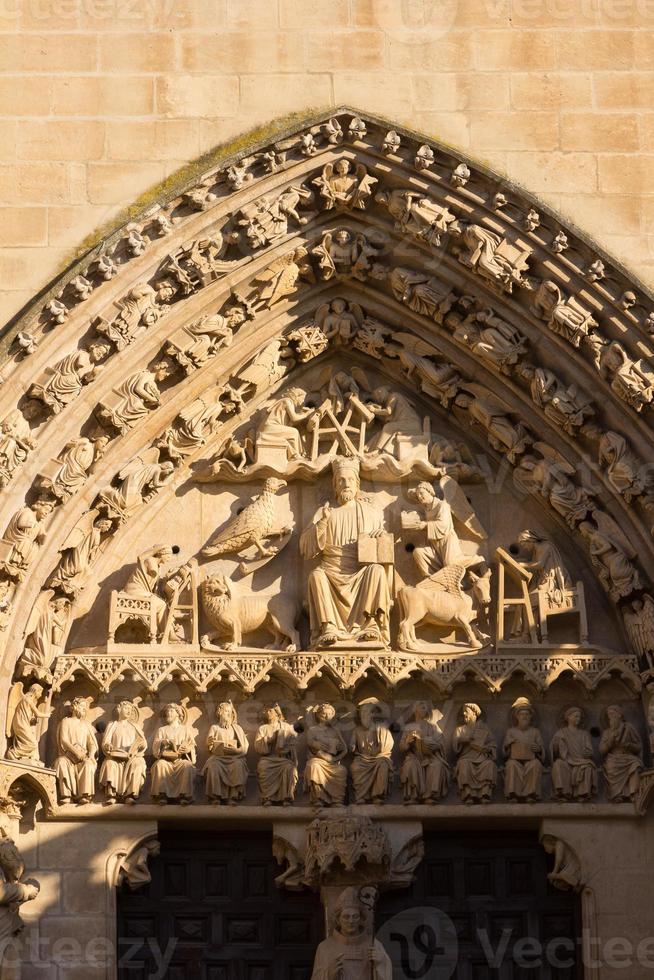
pixel 349 599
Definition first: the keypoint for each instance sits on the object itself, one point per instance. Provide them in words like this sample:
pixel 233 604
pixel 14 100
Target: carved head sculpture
pixel 60 603
pixel 98 351
pixel 297 395
pixel 225 714
pixel 522 713
pixel 235 316
pixel 381 395
pixel 345 478
pixel 614 716
pixel 342 167
pixel 370 712
pixel 43 507
pixel 349 915
pixel 273 485
pixel 127 711
pixel 573 717
pixel 423 494
pixel 35 693
pixel 217 585
pixel 11 861
pixel 79 707
pixel 325 713
pixel 527 539
pixel 172 714
pixel 422 710
pixel 272 713
pixel 471 713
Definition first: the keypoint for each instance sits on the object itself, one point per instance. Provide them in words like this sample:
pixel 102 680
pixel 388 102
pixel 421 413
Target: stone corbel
pixel 14 776
pixel 133 869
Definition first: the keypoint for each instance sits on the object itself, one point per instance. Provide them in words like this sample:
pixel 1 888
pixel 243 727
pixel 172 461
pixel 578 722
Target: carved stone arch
pixel 445 236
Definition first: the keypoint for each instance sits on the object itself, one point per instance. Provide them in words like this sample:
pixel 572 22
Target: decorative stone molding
pixel 346 845
pixel 38 778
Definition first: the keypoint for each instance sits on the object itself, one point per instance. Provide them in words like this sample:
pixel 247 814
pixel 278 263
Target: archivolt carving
pixel 212 279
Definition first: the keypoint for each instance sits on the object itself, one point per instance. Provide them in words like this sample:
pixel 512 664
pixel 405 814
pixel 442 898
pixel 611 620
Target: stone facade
pixel 326 483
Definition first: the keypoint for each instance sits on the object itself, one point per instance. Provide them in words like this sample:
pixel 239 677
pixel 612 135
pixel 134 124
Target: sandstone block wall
pixel 101 99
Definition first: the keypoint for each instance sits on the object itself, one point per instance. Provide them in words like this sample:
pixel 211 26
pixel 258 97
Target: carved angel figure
pixel 133 400
pixel 23 715
pixel 574 773
pixel 137 483
pixel 339 320
pixel 61 384
pixel 194 345
pixel 494 258
pixel 267 367
pixel 138 309
pixel 564 406
pixel 325 777
pixel 70 471
pixel 400 420
pixel 504 435
pixel 23 536
pixel 344 253
pixel 276 745
pixel 425 774
pixel 226 770
pixel 491 338
pixel 632 381
pixel 15 444
pixel 123 745
pixel 549 476
pixel 622 748
pixel 524 753
pixel 418 215
pixel 610 554
pixel 78 750
pixel 371 746
pixel 267 220
pixel 565 317
pixel 421 293
pixel 251 527
pixel 197 421
pixel 280 279
pixel 80 550
pixel 624 471
pixel 173 748
pixel 476 771
pixel 351 951
pixel 437 378
pixel 46 631
pixel 639 624
pixel 342 188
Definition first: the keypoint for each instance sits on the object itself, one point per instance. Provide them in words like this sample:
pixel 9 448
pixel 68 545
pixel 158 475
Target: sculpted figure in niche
pixel 494 258
pixel 138 309
pixel 545 564
pixel 15 444
pixel 194 345
pixel 549 477
pixel 341 188
pixel 134 399
pixel 266 368
pixel 279 430
pixel 492 338
pixel 339 320
pixel 46 629
pixel 610 554
pixel 79 551
pixel 124 746
pixel 77 761
pixel 23 716
pixel 418 215
pixel 144 581
pixel 23 536
pixel 564 317
pixel 63 382
pixel 425 774
pixel 437 378
pixel 267 220
pixel 325 776
pixel 226 771
pixel 402 421
pixel 476 771
pixel 524 753
pixel 372 747
pixel 509 438
pixel 173 748
pixel 75 464
pixel 196 422
pixel 138 482
pixel 348 597
pixel 281 279
pixel 421 293
pixel 564 406
pixel 15 890
pixel 351 952
pixel 574 774
pixel 621 747
pixel 639 624
pixel 632 381
pixel 343 253
pixel 276 744
pixel 443 547
pixel 624 471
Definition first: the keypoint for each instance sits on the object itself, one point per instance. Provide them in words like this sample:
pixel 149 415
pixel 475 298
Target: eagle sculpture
pixel 250 527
